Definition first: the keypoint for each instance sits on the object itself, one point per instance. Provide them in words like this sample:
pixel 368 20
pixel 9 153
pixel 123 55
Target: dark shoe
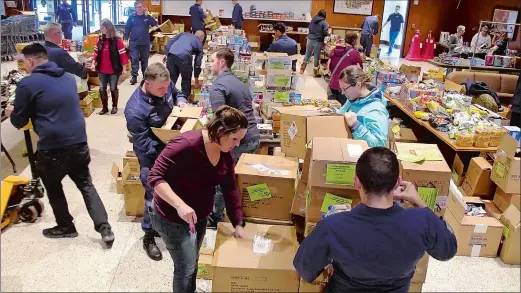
pixel 60 232
pixel 133 80
pixel 107 235
pixel 115 98
pixel 211 225
pixel 104 101
pixel 154 233
pixel 150 246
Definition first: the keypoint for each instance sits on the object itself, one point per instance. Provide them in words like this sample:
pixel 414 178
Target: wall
pixel 388 10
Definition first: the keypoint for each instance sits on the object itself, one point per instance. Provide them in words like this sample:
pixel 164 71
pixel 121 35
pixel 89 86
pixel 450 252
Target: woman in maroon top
pixel 110 58
pixel 184 179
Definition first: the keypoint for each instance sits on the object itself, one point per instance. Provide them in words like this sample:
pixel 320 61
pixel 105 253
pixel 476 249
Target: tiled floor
pixel 30 262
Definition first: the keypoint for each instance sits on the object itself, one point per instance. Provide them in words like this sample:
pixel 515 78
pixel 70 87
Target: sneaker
pixel 133 80
pixel 61 232
pixel 150 246
pixel 107 235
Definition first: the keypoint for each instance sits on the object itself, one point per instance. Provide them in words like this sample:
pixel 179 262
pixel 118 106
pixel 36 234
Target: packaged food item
pixel 482 137
pixel 465 138
pixel 496 133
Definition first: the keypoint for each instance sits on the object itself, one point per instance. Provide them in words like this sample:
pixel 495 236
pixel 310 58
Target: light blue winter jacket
pixel 373 118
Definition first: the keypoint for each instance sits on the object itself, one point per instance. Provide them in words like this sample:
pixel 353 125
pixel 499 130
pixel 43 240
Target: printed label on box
pixel 292 131
pixel 332 200
pixel 259 191
pixel 281 97
pixel 340 174
pixel 501 170
pixel 441 203
pixel 354 150
pixel 428 194
pixel 282 80
pixel 506 232
pixel 455 176
pixel 478 239
pixel 261 245
pixel 260 167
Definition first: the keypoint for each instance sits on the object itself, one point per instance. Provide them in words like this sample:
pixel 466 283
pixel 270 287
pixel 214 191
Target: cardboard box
pixel 315 287
pixel 310 226
pixel 507 167
pixel 267 185
pixel 131 160
pixel 476 236
pixel 510 251
pixel 477 182
pixel 300 127
pixel 432 177
pixel 265 263
pixel 458 171
pixel 412 73
pixel 415 287
pixel 320 198
pixel 333 162
pixel 492 209
pixel 180 121
pixel 87 107
pixel 116 174
pixel 204 267
pixel 452 86
pixel 133 192
pixel 402 135
pixel 502 200
pixel 298 208
pixel 420 272
pixel 307 163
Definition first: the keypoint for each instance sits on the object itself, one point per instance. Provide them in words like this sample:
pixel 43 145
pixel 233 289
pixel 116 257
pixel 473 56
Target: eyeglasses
pixel 346 88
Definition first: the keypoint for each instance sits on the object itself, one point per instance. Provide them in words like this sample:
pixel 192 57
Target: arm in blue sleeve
pixel 128 28
pixel 313 254
pixel 235 15
pixel 376 27
pixel 325 29
pixel 440 242
pixel 198 60
pixel 374 128
pixel 170 43
pixel 151 21
pixel 217 96
pixel 71 66
pixel 203 13
pixel 23 108
pixel 179 95
pixel 141 134
pixel 271 48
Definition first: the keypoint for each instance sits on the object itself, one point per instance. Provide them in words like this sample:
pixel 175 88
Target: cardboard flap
pixel 482 163
pixel 327 126
pixel 452 86
pixel 486 221
pixel 115 171
pixel 307 108
pixel 163 134
pixel 508 145
pixel 125 174
pixel 130 154
pixel 337 149
pixel 270 166
pixel 187 112
pixel 511 215
pixel 191 124
pixel 170 121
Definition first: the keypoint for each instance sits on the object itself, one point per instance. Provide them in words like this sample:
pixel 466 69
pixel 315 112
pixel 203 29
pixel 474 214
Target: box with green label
pixel 507 167
pixel 319 200
pixel 333 162
pixel 424 165
pixel 204 267
pixel 267 185
pixel 510 251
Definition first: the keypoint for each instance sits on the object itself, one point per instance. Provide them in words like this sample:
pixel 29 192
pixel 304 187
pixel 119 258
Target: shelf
pixel 269 19
pixel 288 33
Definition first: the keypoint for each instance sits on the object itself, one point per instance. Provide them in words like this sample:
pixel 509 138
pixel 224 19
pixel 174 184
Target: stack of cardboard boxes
pixel 129 184
pixel 493 178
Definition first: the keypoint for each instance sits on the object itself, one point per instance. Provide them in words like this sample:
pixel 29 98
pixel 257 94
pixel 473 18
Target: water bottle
pixel 209 110
pixel 378 53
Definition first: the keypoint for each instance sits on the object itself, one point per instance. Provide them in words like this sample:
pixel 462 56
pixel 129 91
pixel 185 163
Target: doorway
pixel 394 28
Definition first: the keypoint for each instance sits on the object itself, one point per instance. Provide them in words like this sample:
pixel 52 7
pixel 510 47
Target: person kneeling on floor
pixel 376 246
pixel 184 179
pixel 49 99
pixel 365 109
pixel 148 107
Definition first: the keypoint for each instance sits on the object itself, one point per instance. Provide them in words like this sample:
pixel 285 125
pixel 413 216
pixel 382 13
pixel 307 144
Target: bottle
pixel 209 110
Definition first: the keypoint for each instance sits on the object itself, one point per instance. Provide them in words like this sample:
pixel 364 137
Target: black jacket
pixel 64 60
pixel 114 54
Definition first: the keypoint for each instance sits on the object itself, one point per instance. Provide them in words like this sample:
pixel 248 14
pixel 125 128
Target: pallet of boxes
pixel 129 184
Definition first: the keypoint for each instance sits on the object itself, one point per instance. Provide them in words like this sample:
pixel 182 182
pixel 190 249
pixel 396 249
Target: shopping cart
pixel 16 30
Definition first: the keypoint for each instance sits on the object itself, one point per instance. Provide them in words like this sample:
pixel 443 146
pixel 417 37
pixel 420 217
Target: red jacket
pixel 105 65
pixel 335 57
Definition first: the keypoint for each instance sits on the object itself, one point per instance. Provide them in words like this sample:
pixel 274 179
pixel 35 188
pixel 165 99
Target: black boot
pixel 107 235
pixel 150 246
pixel 133 80
pixel 115 98
pixel 104 101
pixel 61 232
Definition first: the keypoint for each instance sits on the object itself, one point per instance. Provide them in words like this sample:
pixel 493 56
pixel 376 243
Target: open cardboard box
pixel 476 236
pixel 510 250
pixel 507 167
pixel 116 174
pixel 477 182
pixel 204 268
pixel 180 121
pixel 133 192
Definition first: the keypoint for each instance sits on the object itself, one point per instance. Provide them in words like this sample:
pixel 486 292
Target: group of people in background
pixel 481 44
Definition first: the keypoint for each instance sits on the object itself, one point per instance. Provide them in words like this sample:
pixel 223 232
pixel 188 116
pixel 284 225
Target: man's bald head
pixel 200 34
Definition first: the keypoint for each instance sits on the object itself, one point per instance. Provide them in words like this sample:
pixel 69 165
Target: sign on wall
pixel 360 7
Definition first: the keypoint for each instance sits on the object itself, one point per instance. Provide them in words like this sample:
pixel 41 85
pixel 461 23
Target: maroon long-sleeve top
pixel 185 166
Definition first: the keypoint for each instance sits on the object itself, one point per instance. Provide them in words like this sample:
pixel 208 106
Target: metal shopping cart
pixel 16 30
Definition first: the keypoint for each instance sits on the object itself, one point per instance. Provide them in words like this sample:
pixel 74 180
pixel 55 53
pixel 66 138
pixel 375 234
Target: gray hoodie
pixel 318 29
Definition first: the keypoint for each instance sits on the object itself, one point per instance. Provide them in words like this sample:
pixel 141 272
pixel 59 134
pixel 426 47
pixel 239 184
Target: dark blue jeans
pixel 139 53
pixel 183 247
pixel 108 79
pixel 392 40
pixel 314 47
pixel 146 222
pixel 178 66
pixel 218 205
pixel 67 30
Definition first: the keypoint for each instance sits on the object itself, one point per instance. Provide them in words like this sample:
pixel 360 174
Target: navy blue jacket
pixel 66 14
pixel 143 112
pixel 136 30
pixel 370 25
pixel 49 98
pixel 198 15
pixel 228 89
pixel 318 29
pixel 374 250
pixel 64 60
pixel 287 45
pixel 184 45
pixel 237 17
